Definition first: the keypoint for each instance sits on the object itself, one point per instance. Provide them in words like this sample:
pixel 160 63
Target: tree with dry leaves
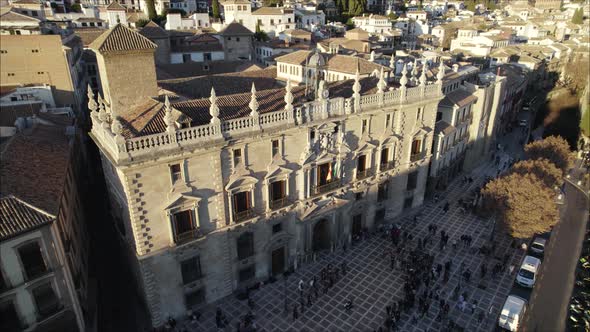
pixel 522 204
pixel 542 168
pixel 553 148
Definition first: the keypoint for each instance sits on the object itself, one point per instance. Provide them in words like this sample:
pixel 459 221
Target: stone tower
pixel 126 65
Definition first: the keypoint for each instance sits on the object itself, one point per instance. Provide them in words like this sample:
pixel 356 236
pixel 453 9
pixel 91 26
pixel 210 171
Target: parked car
pixel 512 313
pixel 538 245
pixel 528 271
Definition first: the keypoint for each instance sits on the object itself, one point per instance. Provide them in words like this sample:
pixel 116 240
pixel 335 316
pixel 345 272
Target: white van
pixel 528 271
pixel 512 313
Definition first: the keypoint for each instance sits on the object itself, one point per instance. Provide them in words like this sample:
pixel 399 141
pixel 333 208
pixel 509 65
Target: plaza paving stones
pixel 372 284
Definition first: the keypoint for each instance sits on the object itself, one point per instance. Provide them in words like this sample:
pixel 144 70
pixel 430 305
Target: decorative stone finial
pixel 253 102
pixel 213 109
pixel 288 96
pixel 414 73
pixel 441 72
pixel 381 85
pixel 403 81
pixel 168 120
pixel 102 113
pixel 322 90
pixel 92 105
pixel 423 75
pixel 392 63
pixel 372 56
pixel 356 87
pixel 116 127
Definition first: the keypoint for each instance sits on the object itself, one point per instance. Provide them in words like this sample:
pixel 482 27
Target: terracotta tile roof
pixel 192 69
pixel 443 127
pixel 272 11
pixel 336 62
pixel 149 118
pixel 10 16
pixel 152 30
pixel 89 19
pixel 9 113
pixel 224 84
pixel 298 32
pixel 115 6
pixel 121 38
pixel 235 29
pixel 34 165
pixel 459 97
pixel 7 89
pixel 88 35
pixel 17 217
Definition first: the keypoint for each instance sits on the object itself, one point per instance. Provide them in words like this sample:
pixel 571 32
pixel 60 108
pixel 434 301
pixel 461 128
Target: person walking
pixel 300 287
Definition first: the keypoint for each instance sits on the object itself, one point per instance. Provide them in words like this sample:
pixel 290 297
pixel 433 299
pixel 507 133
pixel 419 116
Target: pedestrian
pixel 309 303
pixel 295 312
pixel 480 316
pixel 473 306
pixel 300 287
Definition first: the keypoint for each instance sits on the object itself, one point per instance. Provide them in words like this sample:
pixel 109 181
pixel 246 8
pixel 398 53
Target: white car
pixel 512 313
pixel 538 245
pixel 527 275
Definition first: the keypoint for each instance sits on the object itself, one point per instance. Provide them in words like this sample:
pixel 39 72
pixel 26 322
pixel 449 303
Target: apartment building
pixel 272 20
pixel 213 195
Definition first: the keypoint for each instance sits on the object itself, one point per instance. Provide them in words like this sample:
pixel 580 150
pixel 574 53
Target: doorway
pixel 321 235
pixel 357 225
pixel 278 261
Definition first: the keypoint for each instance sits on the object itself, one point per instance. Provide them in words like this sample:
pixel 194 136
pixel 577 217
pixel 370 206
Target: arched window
pixel 245 245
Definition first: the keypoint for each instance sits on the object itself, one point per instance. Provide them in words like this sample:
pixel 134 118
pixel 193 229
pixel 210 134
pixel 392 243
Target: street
pixel 550 297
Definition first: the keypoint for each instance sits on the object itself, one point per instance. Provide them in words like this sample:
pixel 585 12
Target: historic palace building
pixel 212 195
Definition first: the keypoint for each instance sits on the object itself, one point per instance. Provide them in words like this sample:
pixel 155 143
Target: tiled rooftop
pixel 17 217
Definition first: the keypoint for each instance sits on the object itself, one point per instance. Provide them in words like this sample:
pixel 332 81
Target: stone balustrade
pixel 309 112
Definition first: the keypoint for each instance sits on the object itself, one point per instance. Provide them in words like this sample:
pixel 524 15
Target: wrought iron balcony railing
pixel 386 166
pixel 188 235
pixel 324 188
pixel 279 203
pixel 244 215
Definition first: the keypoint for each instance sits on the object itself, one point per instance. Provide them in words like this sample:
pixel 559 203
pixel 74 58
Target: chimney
pixel 456 68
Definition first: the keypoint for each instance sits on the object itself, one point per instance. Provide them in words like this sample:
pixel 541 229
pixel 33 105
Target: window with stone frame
pixel 46 301
pixel 242 205
pixel 245 245
pixel 361 167
pixel 9 320
pixel 237 156
pixel 412 180
pixel 416 146
pixel 32 260
pixel 184 226
pixel 364 125
pixel 277 194
pixel 175 173
pixel 191 270
pixel 276 149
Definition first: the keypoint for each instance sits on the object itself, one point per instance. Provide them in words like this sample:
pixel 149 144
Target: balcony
pixel 279 203
pixel 386 166
pixel 417 156
pixel 243 215
pixel 363 174
pixel 188 236
pixel 324 188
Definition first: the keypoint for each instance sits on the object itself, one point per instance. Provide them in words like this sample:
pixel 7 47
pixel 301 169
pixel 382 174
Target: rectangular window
pixel 186 58
pixel 412 180
pixel 419 114
pixel 242 206
pixel 361 167
pixel 32 260
pixel 416 146
pixel 387 120
pixel 9 320
pixel 277 194
pixel 175 173
pixel 238 39
pixel 184 226
pixel 247 273
pixel 191 270
pixel 275 147
pixel 237 156
pixel 207 56
pixel 364 126
pixel 46 301
pixel 276 228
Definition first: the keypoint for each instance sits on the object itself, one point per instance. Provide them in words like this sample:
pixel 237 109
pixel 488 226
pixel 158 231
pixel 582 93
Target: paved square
pixel 372 284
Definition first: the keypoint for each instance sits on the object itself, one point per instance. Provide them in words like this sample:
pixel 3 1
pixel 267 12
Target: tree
pixel 215 9
pixel 356 7
pixel 578 17
pixel 141 23
pixel 259 34
pixel 543 169
pixel 553 148
pixel 522 204
pixel 470 5
pixel 272 3
pixel 151 8
pixel 76 8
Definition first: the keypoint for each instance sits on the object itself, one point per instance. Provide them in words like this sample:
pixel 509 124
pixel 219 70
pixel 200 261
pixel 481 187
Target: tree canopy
pixel 151 8
pixel 578 17
pixel 356 7
pixel 553 148
pixel 215 9
pixel 543 169
pixel 522 204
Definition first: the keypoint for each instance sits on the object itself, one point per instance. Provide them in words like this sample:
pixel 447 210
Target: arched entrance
pixel 321 235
